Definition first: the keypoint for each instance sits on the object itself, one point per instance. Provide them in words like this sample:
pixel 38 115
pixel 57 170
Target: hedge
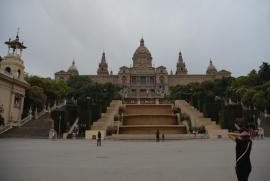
pixel 228 114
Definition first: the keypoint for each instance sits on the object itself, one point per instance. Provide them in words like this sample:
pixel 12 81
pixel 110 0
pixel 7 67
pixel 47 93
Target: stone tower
pixel 12 83
pixel 142 56
pixel 12 63
pixel 103 66
pixel 181 66
pixel 211 69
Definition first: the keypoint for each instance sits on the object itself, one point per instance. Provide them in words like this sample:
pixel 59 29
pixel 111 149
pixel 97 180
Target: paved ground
pixel 74 160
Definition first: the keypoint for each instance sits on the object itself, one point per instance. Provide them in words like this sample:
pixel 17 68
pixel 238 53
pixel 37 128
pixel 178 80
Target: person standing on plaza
pixel 243 148
pixel 99 138
pixel 163 137
pixel 157 136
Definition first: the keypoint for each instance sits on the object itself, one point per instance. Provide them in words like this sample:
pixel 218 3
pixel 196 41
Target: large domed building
pixel 65 75
pixel 143 80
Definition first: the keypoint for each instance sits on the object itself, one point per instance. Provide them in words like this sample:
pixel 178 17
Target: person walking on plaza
pixel 157 136
pixel 243 148
pixel 99 138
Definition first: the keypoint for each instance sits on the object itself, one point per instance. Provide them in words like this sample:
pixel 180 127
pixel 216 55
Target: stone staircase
pixel 141 121
pixel 153 137
pixel 35 128
pixel 105 121
pixel 197 120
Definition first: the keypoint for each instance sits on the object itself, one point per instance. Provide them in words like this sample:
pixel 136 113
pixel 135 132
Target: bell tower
pixel 103 66
pixel 12 64
pixel 181 66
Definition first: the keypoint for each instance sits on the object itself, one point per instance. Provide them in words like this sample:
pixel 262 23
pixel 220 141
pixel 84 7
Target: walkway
pixel 69 160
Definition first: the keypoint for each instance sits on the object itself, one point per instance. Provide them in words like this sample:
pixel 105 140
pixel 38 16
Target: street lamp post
pixel 254 121
pixel 59 125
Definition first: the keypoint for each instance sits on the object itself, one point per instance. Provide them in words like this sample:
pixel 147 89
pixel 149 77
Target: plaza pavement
pixel 75 160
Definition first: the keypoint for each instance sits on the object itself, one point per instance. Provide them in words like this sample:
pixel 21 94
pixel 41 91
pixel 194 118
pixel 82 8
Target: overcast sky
pixel 234 33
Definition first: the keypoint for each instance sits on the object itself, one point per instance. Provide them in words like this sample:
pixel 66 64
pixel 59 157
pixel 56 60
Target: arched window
pixel 8 70
pixel 162 80
pixel 18 74
pixel 124 80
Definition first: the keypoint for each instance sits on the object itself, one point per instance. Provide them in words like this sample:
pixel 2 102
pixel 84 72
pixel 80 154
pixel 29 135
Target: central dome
pixel 142 56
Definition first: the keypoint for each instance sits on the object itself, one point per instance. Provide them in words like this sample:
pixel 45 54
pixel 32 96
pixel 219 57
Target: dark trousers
pixel 99 142
pixel 243 172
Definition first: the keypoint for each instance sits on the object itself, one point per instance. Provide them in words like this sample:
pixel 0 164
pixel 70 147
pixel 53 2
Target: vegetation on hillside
pixel 221 97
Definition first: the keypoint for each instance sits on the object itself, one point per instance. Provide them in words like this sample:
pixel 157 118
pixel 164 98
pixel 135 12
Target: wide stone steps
pixel 151 129
pixel 159 119
pixel 147 109
pixel 153 136
pixel 106 120
pixel 38 128
pixel 197 120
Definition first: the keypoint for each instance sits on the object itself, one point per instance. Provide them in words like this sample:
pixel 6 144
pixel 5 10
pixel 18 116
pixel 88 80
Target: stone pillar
pixel 12 97
pixel 21 107
pixel 36 114
pixel 30 113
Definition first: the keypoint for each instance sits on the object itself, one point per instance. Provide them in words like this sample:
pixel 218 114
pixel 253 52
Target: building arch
pixel 8 70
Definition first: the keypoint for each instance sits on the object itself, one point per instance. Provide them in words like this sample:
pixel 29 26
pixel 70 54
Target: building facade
pixel 145 80
pixel 12 83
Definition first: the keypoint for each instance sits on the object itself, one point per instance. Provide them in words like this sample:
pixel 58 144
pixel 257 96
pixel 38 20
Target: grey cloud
pixel 234 33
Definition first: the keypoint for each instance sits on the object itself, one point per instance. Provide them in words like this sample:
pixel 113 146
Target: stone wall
pixel 174 80
pixel 105 79
pixel 10 87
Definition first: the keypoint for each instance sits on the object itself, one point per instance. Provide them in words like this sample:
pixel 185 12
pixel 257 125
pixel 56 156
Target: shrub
pixel 248 116
pixel 184 117
pixel 176 110
pixel 111 130
pixel 116 117
pixel 228 114
pixel 2 120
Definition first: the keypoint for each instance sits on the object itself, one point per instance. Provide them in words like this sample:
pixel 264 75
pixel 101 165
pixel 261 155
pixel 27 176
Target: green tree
pixel 53 89
pixel 259 101
pixel 247 98
pixel 208 85
pixel 35 97
pixel 264 72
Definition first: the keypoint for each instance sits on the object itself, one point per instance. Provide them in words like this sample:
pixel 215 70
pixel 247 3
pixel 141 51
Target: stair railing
pixel 71 129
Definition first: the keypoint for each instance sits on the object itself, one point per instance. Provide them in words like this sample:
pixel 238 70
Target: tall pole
pixel 59 125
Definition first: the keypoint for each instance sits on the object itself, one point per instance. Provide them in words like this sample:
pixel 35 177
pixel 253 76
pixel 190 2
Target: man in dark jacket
pixel 99 138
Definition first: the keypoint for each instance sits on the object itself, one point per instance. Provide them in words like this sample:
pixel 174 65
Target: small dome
pixel 211 69
pixel 73 69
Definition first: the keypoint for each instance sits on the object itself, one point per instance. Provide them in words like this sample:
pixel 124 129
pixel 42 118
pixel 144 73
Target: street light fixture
pixel 59 125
